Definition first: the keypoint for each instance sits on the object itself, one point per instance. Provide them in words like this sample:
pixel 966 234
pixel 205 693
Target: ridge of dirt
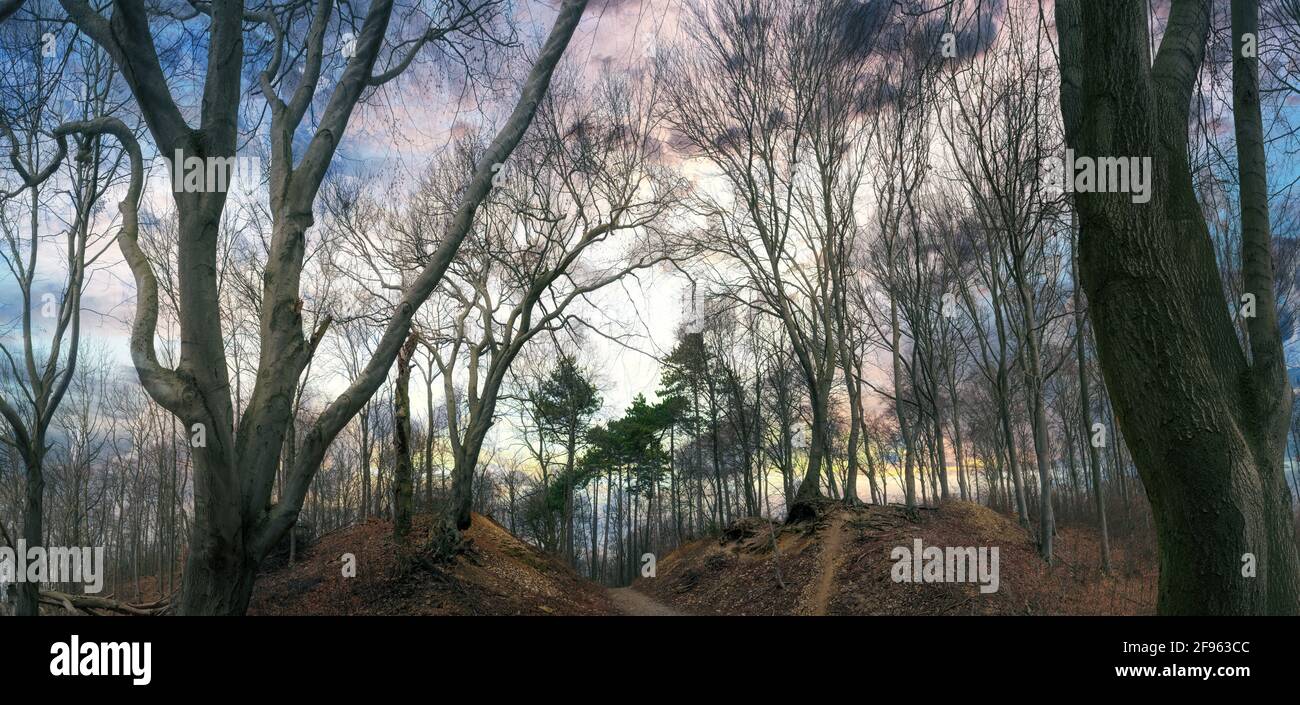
pixel 838 561
pixel 498 574
pixel 828 561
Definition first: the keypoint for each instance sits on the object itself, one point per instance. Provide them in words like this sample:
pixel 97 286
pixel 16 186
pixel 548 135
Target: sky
pixel 420 119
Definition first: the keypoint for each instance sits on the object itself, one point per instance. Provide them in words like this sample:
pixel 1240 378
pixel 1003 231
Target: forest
pixel 625 275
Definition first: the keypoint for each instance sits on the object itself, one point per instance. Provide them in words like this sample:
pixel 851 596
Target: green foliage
pixel 632 443
pixel 565 402
pixel 685 379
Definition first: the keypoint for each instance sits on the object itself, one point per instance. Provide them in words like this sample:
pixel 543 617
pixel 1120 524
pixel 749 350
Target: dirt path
pixel 828 562
pixel 638 604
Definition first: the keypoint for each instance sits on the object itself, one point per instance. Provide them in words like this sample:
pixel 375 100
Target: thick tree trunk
pixel 222 562
pixel 459 513
pixel 1204 420
pixel 810 488
pixel 218 580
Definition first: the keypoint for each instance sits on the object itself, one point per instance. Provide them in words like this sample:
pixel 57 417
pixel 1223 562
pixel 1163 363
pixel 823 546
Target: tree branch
pixel 166 386
pixel 342 409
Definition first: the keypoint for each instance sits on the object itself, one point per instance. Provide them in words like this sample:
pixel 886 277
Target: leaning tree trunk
pixel 1205 419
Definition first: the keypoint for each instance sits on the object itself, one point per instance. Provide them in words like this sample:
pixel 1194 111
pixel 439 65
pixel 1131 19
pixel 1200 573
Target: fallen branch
pixel 89 602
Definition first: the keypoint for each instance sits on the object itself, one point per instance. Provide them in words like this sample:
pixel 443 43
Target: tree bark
pixel 403 472
pixel 29 593
pixel 1204 418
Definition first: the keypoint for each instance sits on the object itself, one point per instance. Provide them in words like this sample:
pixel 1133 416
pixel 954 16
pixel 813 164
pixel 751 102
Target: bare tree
pixel 236 523
pixel 581 206
pixel 769 96
pixel 37 376
pixel 1004 137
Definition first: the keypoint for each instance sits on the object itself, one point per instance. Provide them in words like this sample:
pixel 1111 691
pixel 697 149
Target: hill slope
pixel 498 575
pixel 839 562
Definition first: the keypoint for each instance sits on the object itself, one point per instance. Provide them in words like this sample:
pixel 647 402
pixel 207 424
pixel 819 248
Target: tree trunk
pixel 594 493
pixel 1085 401
pixel 957 446
pixel 428 435
pixel 1004 407
pixel 403 472
pixel 909 445
pixel 29 592
pixel 941 454
pixel 1204 419
pixel 810 488
pixel 1042 448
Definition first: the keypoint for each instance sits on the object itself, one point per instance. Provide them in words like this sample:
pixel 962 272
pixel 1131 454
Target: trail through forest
pixel 638 604
pixel 828 562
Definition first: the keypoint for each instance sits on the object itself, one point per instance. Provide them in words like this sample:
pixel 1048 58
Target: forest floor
pixel 836 562
pixel 839 562
pixel 633 603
